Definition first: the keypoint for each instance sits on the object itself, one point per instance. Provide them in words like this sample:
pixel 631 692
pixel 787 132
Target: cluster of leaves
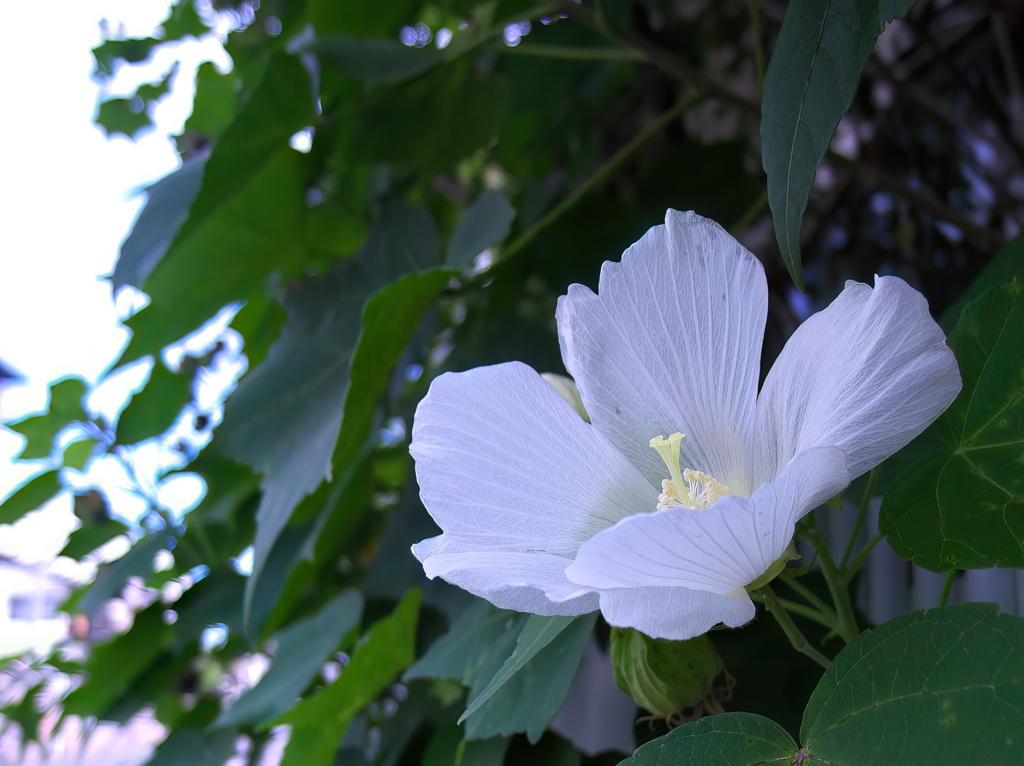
pixel 449 194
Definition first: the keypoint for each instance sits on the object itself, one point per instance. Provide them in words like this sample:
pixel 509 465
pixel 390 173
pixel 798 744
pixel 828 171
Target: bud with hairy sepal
pixel 664 677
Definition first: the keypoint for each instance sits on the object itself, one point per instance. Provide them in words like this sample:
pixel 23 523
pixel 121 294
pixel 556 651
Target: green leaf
pixel 319 723
pixel 245 222
pixel 130 116
pixel 183 21
pixel 215 101
pixel 942 686
pixel 40 430
pixel 809 85
pixel 1004 266
pixel 894 9
pixel 536 635
pixel 728 739
pixel 30 497
pixel 195 748
pixel 964 508
pixel 302 648
pixel 217 598
pixel 529 689
pixel 132 51
pixel 413 126
pixel 154 409
pixel 374 59
pixel 77 453
pixel 475 647
pixel 167 204
pixel 364 18
pixel 326 370
pixel 109 582
pixel 87 539
pixel 485 223
pixel 114 665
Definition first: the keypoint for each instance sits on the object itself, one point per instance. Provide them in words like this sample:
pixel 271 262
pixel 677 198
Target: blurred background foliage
pixel 378 192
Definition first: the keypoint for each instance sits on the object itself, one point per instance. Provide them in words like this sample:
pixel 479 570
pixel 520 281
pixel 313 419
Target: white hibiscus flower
pixel 686 484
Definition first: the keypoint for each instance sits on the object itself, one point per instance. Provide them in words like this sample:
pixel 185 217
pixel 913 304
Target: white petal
pixel 506 464
pixel 526 582
pixel 672 342
pixel 867 374
pixel 674 613
pixel 719 550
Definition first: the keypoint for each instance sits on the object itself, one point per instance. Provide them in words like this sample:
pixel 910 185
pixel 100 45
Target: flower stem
pixel 862 514
pixel 812 598
pixel 837 587
pixel 602 173
pixel 947 587
pixel 575 52
pixel 796 638
pixel 803 610
pixel 858 562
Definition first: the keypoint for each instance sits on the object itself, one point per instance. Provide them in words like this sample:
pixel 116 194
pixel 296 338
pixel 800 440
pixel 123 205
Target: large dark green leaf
pixel 374 59
pixel 138 562
pixel 167 204
pixel 809 85
pixel 115 665
pixel 1005 265
pixel 486 222
pixel 475 647
pixel 413 126
pixel 215 101
pixel 528 690
pixel 30 497
pixel 284 420
pixel 154 409
pixel 245 222
pixel 302 648
pixel 40 430
pixel 319 723
pixel 730 739
pixel 964 508
pixel 193 747
pixel 942 686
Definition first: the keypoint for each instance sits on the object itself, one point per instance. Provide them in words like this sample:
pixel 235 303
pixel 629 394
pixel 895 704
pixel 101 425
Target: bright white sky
pixel 69 198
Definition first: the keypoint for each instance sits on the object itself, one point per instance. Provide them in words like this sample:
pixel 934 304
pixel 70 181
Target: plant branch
pixel 847 627
pixel 947 587
pixel 582 53
pixel 774 605
pixel 602 174
pixel 812 598
pixel 661 58
pixel 862 513
pixel 858 562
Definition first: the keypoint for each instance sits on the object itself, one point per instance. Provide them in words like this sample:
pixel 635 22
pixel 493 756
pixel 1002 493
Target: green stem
pixel 588 53
pixel 801 609
pixel 812 598
pixel 858 562
pixel 947 588
pixel 796 638
pixel 862 514
pixel 601 174
pixel 847 627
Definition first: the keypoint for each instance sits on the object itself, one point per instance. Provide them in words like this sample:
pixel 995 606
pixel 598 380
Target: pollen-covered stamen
pixel 702 489
pixel 686 489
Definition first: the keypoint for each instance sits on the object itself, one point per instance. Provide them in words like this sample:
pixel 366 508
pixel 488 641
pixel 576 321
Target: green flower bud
pixel 662 676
